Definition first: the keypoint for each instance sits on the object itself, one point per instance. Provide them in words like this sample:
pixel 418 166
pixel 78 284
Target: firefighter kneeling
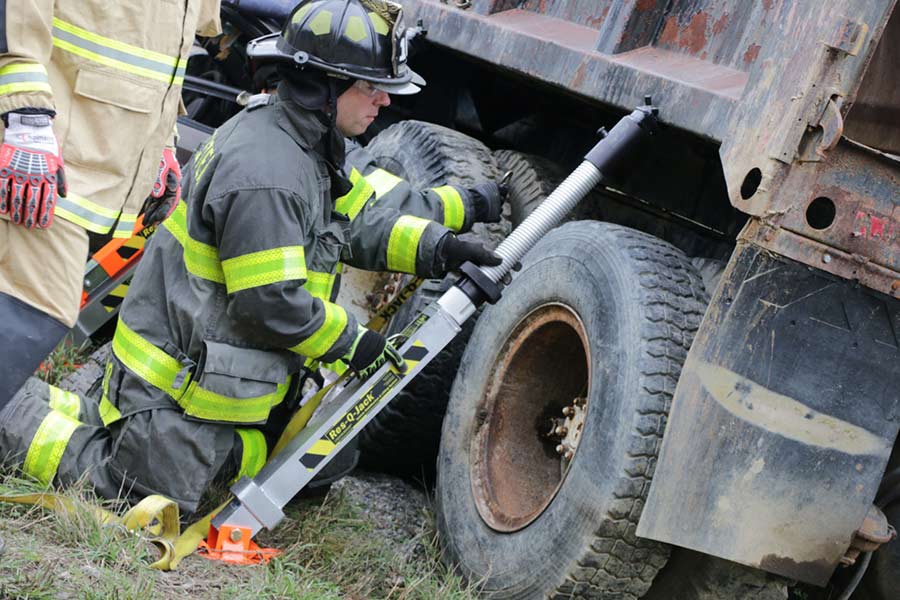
pixel 235 291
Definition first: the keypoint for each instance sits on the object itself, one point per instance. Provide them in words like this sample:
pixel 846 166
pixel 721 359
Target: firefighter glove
pixel 166 191
pixel 487 201
pixel 31 168
pixel 452 252
pixel 370 350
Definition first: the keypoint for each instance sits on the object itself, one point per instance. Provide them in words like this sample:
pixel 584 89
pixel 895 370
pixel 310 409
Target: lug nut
pixel 568 411
pixel 561 431
pixel 560 449
pixel 569 454
pixel 235 535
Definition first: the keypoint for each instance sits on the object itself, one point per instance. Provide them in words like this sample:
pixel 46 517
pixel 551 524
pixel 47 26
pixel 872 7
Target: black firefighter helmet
pixel 357 39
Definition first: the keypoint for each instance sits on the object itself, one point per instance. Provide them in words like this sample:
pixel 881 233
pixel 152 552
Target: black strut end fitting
pixel 477 286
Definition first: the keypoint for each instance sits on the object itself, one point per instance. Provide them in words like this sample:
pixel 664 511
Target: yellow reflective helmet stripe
pixel 253 454
pixel 320 285
pixel 403 245
pixel 87 214
pixel 200 259
pixel 65 402
pixel 351 203
pixel 301 12
pixel 263 268
pixel 381 26
pixel 454 210
pixel 117 55
pixel 48 445
pixel 323 338
pixel 146 360
pixel 321 23
pixel 355 30
pixel 383 181
pixel 24 78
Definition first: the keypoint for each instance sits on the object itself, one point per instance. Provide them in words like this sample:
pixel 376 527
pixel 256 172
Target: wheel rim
pixel 538 385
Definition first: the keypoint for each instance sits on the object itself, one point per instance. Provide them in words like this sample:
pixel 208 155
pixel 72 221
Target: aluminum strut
pixel 258 502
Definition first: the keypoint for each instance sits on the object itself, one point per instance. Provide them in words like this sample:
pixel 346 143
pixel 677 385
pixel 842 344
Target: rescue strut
pixel 346 410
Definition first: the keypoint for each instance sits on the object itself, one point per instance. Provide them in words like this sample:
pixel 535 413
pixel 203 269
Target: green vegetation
pixel 64 359
pixel 330 552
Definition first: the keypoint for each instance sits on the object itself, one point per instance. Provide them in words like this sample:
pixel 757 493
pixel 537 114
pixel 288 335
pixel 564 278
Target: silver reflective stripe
pixel 19 77
pixel 78 211
pixel 112 53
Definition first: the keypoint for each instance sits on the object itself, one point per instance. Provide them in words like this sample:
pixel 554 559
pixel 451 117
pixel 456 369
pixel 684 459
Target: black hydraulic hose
pixel 857 577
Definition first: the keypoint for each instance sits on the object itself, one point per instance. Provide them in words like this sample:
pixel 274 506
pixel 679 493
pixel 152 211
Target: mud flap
pixel 782 421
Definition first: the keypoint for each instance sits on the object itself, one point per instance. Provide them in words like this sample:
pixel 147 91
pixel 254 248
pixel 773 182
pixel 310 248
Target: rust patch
pixel 768 4
pixel 720 24
pixel 645 5
pixel 752 53
pixel 694 35
pixel 669 33
pixel 578 79
pixel 595 21
pixel 691 38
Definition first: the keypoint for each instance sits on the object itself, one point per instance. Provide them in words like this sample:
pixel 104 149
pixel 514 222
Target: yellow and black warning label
pixel 357 413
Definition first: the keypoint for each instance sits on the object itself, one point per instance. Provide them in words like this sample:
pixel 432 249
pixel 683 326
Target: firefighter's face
pixel 358 107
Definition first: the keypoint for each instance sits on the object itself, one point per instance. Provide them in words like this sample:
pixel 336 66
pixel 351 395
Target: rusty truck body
pixel 782 130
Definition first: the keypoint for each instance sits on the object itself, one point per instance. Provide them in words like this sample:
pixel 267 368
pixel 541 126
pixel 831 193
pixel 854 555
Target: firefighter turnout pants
pixel 57 437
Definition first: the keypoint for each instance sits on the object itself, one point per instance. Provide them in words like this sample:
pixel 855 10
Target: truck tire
pixel 533 179
pixel 694 576
pixel 87 380
pixel 403 438
pixel 608 314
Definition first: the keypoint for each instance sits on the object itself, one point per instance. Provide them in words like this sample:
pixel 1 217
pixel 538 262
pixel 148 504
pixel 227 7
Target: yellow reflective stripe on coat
pixel 253 453
pixel 382 181
pixel 117 55
pixel 354 201
pixel 48 445
pixel 200 259
pixel 24 78
pixel 67 403
pixel 146 360
pixel 320 285
pixel 161 371
pixel 87 214
pixel 454 210
pixel 204 404
pixel 403 245
pixel 323 338
pixel 264 267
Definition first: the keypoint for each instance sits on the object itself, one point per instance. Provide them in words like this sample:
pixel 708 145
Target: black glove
pixel 369 351
pixel 452 252
pixel 487 201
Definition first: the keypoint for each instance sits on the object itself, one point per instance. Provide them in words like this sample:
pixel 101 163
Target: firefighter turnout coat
pixel 112 71
pixel 234 294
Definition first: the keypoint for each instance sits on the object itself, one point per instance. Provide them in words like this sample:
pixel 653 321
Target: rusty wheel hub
pixel 531 419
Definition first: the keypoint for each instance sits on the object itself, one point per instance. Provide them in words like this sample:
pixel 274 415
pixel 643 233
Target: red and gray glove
pixel 31 168
pixel 166 191
pixel 369 351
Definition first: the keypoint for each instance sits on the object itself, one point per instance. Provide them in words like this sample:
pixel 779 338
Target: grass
pixel 64 359
pixel 330 551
